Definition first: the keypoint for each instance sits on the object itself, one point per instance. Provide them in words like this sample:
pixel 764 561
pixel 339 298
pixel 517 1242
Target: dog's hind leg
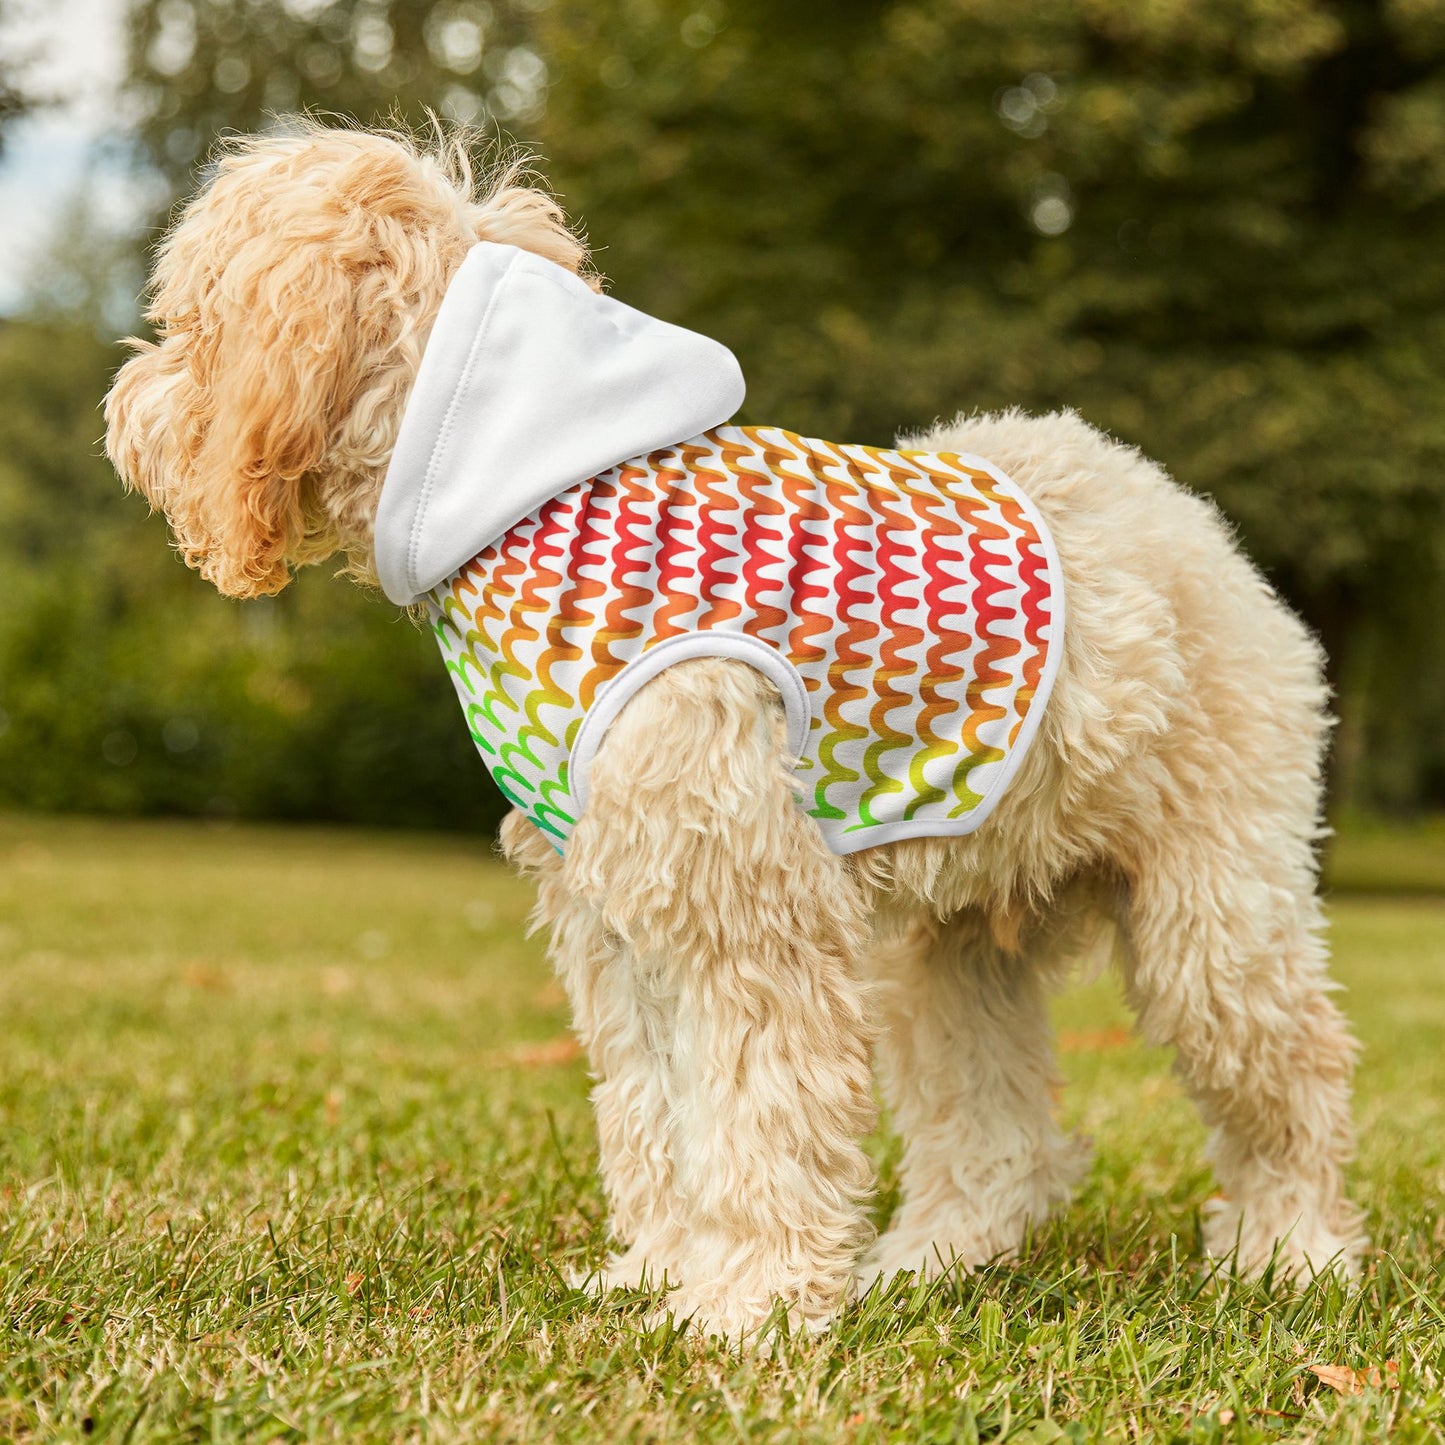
pixel 966 1059
pixel 737 932
pixel 1225 961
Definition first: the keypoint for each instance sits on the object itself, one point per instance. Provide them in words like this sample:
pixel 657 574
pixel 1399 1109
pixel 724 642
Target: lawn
pixel 293 1146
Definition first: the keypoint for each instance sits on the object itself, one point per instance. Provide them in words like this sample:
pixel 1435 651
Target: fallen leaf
pixel 1094 1042
pixel 202 975
pixel 354 1283
pixel 551 995
pixel 560 1050
pixel 1347 1381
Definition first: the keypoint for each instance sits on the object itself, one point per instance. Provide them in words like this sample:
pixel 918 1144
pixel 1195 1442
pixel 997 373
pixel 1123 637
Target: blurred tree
pixel 127 685
pixel 202 67
pixel 1216 227
pixel 15 98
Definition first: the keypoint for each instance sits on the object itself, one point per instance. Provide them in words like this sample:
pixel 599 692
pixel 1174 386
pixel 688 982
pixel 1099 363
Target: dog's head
pixel 291 301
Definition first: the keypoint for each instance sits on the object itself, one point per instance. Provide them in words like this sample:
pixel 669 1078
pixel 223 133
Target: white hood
pixel 530 383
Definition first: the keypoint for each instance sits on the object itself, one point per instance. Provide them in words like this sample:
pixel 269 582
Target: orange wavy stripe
pixel 617 624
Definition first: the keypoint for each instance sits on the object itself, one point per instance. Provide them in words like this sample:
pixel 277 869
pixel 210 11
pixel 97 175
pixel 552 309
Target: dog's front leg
pixel 730 933
pixel 622 1013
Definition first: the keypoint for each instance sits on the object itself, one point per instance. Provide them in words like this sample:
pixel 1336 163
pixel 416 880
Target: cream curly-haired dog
pixel 732 967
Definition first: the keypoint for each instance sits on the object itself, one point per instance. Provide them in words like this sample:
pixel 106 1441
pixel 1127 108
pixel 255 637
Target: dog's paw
pixel 633 1270
pixel 957 1243
pixel 1298 1247
pixel 966 1228
pixel 753 1324
pixel 898 1254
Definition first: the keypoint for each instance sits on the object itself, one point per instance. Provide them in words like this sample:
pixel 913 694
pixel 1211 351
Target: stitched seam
pixel 448 422
pixel 699 643
pixel 1053 651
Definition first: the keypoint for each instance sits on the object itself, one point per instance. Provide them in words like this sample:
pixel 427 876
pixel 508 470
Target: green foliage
pixel 1373 856
pixel 14 98
pixel 283 1158
pixel 202 67
pixel 128 686
pixel 1216 229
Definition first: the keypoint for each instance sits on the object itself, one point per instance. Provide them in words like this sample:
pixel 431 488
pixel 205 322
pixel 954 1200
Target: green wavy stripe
pixel 458 668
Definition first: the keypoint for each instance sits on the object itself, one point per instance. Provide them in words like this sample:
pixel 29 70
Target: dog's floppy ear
pixel 143 410
pixel 221 421
pixel 292 300
pixel 274 352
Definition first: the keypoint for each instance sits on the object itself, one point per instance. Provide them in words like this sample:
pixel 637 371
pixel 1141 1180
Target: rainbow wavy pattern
pixel 916 596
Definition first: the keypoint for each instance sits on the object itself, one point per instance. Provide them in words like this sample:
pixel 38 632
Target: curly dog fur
pixel 731 979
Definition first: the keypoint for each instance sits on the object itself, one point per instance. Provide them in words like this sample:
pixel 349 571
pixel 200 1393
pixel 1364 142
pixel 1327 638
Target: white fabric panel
pixel 530 383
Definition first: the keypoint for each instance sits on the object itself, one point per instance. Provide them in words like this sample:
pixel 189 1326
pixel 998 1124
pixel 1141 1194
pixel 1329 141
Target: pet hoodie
pixel 566 498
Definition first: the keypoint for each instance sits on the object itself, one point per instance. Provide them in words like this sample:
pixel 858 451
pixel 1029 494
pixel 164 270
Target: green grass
pixel 284 1155
pixel 1373 856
